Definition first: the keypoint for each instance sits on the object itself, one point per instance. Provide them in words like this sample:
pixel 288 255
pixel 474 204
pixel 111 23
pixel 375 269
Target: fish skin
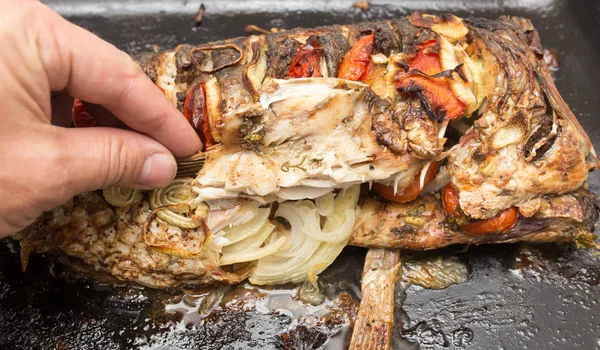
pixel 490 174
pixel 489 170
pixel 523 109
pixel 384 224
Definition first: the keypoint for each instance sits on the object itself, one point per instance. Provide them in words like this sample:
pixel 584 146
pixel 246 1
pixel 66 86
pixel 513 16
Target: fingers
pixel 98 157
pixel 93 70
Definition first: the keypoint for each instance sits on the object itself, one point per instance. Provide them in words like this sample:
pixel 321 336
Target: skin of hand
pixel 42 165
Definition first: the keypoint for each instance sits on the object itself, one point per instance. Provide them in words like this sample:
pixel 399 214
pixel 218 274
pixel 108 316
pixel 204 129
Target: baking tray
pixel 517 296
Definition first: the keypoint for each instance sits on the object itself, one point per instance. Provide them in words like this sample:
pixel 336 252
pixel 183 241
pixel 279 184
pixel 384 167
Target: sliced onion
pixel 300 192
pixel 294 213
pixel 308 251
pixel 348 197
pixel 240 232
pixel 294 254
pixel 336 230
pixel 122 197
pixel 174 202
pixel 256 72
pixel 271 270
pixel 275 269
pixel 458 86
pixel 255 241
pixel 252 254
pixel 325 204
pixel 231 216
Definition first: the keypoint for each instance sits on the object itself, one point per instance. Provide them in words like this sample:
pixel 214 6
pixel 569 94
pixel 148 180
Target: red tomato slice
pixel 500 223
pixel 436 91
pixel 195 111
pixel 411 192
pixel 307 62
pixel 80 115
pixel 355 63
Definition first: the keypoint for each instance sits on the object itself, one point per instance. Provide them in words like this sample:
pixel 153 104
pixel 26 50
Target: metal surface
pixel 537 297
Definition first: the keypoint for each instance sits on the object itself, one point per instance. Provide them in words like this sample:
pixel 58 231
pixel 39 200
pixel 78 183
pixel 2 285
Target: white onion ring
pixel 174 203
pixel 122 197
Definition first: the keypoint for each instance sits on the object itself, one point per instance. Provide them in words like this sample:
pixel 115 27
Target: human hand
pixel 45 165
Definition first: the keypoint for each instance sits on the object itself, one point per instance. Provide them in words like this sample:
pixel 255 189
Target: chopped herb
pixel 404 230
pixel 416 211
pixel 252 138
pixel 453 224
pixel 285 167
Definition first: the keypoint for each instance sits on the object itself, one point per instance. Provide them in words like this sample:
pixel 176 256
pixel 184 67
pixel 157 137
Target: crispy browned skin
pixel 525 150
pixel 392 135
pixel 110 241
pixel 527 142
pixel 422 224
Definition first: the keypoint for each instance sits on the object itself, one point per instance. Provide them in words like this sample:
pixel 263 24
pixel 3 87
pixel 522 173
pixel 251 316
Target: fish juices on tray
pixel 414 133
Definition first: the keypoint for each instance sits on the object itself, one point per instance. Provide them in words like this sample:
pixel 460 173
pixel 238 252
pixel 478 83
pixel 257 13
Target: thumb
pixel 101 157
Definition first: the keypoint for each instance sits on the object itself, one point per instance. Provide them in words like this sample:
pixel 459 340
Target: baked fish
pixel 414 133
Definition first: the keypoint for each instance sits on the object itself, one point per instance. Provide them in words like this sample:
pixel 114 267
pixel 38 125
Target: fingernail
pixel 158 170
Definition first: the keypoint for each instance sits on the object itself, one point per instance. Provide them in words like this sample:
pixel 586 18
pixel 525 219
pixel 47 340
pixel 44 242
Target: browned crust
pixel 94 238
pixel 560 106
pixel 384 224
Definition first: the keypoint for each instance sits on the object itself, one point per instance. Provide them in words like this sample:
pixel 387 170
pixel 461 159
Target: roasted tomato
pixel 355 64
pixel 426 60
pixel 450 201
pixel 409 193
pixel 435 92
pixel 81 117
pixel 500 223
pixel 195 111
pixel 307 62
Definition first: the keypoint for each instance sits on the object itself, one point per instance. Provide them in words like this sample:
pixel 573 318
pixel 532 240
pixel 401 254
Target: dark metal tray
pixel 517 296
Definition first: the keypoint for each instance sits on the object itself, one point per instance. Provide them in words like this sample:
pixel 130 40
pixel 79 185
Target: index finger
pixel 93 70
